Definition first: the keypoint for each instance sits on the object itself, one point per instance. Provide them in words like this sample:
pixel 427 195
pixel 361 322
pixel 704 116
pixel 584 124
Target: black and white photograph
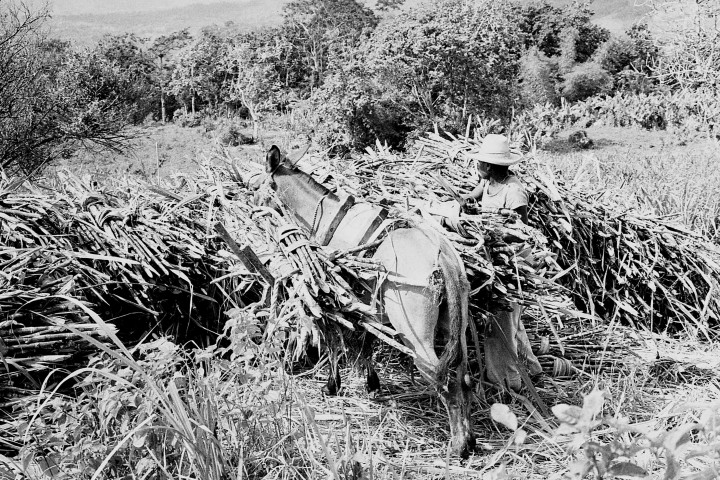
pixel 359 239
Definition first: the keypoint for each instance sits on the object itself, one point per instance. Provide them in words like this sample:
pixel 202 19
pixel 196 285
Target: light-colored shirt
pixel 510 193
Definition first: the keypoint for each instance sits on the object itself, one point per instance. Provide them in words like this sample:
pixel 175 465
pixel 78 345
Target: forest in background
pixel 352 78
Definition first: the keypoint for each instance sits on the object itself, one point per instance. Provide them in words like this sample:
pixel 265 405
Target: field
pixel 273 423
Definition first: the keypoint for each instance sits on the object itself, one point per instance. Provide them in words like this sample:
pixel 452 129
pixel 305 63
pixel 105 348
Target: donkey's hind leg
pixel 366 351
pixel 332 387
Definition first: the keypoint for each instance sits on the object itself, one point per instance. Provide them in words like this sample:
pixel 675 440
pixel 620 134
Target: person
pixel 500 189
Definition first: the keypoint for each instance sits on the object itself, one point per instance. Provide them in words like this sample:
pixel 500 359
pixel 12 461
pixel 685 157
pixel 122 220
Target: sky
pixel 102 7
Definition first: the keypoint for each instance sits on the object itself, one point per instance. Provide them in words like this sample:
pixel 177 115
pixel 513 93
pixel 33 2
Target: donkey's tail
pixel 457 291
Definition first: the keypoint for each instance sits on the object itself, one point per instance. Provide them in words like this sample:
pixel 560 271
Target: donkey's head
pixel 296 190
pixel 274 160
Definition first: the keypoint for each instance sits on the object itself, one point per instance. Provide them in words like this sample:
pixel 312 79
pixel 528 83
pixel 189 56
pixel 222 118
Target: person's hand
pixel 467 201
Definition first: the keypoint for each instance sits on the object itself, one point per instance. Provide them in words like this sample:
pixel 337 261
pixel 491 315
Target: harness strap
pixel 294 246
pixel 287 230
pixel 382 229
pixel 315 215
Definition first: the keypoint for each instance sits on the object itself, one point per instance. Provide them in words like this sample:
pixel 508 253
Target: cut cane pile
pixel 77 256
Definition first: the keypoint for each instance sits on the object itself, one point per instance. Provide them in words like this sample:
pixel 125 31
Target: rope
pixel 315 215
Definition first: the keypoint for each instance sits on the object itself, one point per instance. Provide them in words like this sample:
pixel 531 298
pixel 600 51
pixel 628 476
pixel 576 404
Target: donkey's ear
pixel 273 159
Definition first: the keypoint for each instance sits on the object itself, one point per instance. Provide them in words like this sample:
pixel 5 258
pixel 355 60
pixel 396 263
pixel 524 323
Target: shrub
pixel 537 79
pixel 586 80
pixel 231 136
pixel 617 54
pixel 189 120
pixel 353 112
pixel 431 66
pixel 542 26
pixel 52 100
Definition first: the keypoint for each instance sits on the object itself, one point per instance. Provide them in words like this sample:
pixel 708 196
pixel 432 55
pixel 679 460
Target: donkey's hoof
pixel 373 384
pixel 467 448
pixel 330 389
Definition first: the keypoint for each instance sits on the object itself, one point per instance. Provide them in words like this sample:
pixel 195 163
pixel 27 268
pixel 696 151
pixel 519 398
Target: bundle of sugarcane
pixel 131 256
pixel 644 269
pixel 311 299
pixel 506 260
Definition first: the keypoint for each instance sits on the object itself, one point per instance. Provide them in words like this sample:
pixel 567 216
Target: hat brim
pixel 502 159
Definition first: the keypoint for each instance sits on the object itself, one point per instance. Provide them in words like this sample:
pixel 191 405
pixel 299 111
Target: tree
pixel 254 81
pixel 438 64
pixel 137 69
pixel 50 104
pixel 316 30
pixel 384 5
pixel 165 48
pixel 447 61
pixel 543 24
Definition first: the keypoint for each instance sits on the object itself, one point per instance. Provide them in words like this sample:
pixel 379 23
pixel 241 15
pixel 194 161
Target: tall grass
pixel 160 412
pixel 677 181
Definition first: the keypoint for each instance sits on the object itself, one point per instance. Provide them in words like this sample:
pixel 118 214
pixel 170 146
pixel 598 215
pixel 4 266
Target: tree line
pixel 362 74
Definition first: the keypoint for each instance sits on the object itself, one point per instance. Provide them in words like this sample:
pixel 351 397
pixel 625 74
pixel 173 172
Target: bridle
pixel 318 207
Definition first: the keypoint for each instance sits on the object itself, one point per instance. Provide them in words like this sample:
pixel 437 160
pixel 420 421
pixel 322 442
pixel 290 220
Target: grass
pixel 652 171
pixel 156 412
pixel 248 419
pixel 164 150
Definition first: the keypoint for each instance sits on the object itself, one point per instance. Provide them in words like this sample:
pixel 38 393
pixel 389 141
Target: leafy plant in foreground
pixel 609 446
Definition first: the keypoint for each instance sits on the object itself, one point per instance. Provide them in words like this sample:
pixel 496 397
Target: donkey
pixel 432 303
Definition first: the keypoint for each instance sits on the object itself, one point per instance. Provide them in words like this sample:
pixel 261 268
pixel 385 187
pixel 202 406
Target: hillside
pixel 85 21
pixel 87 28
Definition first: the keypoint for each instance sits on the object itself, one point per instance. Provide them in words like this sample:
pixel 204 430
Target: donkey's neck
pixel 307 199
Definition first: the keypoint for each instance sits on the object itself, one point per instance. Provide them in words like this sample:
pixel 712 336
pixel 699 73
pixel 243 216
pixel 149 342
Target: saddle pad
pixel 360 221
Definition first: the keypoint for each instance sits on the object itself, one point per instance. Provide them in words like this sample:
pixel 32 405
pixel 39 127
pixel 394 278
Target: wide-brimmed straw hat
pixel 495 149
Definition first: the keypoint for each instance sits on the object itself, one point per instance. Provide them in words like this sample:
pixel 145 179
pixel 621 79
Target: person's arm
pixel 517 200
pixel 476 192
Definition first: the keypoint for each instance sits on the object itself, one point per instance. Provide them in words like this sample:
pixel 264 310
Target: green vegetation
pixel 343 77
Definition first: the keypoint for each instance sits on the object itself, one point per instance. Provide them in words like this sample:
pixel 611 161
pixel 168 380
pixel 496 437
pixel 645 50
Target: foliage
pixel 139 94
pixel 314 31
pixel 159 411
pixel 383 5
pixel 354 111
pixel 542 25
pixel 569 37
pixel 690 57
pixel 52 101
pixel 431 65
pixel 537 79
pixel 229 134
pixel 613 447
pixel 617 54
pixel 629 58
pixel 586 80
